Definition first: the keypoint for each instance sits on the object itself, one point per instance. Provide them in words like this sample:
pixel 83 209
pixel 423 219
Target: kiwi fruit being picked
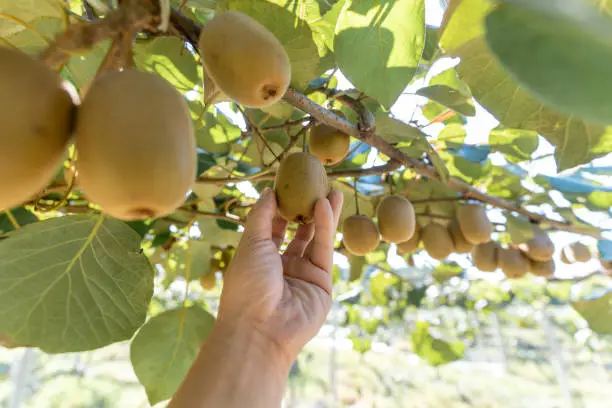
pixel 474 223
pixel 36 117
pixel 412 244
pixel 136 145
pixel 462 246
pixel 513 263
pixel 328 143
pixel 540 247
pixel 300 182
pixel 485 257
pixel 360 234
pixel 575 252
pixel 437 241
pixel 545 269
pixel 396 219
pixel 245 60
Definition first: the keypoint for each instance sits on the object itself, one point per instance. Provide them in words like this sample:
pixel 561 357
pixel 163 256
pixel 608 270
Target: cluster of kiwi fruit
pixel 396 224
pixel 136 152
pixel 469 227
pixel 533 256
pixel 132 131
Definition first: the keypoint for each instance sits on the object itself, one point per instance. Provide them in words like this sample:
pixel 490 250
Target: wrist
pixel 246 342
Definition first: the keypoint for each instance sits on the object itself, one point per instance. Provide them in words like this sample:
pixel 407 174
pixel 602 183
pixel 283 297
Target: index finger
pixel 327 214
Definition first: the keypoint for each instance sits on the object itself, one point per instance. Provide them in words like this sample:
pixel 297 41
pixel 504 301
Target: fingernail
pixel 266 191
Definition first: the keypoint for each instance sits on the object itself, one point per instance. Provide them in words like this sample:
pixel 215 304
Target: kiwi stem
pixel 257 132
pixel 12 219
pixel 356 196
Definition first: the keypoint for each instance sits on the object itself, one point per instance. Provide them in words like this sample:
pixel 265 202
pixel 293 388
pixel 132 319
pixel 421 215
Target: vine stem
pixel 12 219
pixel 301 101
pixel 356 196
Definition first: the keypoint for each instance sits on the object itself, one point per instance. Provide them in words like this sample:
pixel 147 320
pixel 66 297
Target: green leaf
pixel 519 228
pixel 21 215
pixel 165 348
pixel 81 71
pixel 198 260
pixel 577 141
pixel 432 348
pixel 215 235
pixel 597 312
pixel 396 131
pixel 449 97
pixel 217 133
pixel 516 144
pixel 559 50
pixel 169 58
pixel 463 21
pixel 378 45
pixel 445 271
pixel 293 32
pixel 28 11
pixel 73 283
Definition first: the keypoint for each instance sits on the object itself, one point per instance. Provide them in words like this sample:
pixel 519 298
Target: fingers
pixel 321 249
pixel 336 198
pixel 279 225
pixel 259 225
pixel 300 242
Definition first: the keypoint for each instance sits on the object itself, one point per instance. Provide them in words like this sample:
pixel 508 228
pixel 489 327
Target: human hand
pixel 284 299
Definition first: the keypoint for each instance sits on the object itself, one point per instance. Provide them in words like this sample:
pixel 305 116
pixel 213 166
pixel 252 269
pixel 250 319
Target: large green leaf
pixel 73 283
pixel 168 58
pixel 293 32
pixel 577 141
pixel 165 348
pixel 378 45
pixel 560 50
pixel 517 145
pixel 432 348
pixel 197 258
pixel 217 133
pixel 597 312
pixel 519 228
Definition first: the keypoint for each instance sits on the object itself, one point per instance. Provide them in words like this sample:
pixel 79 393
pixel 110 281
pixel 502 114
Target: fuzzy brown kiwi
pixel 437 241
pixel 244 59
pixel 300 182
pixel 474 223
pixel 396 219
pixel 136 145
pixel 412 244
pixel 485 256
pixel 360 234
pixel 540 247
pixel 329 144
pixel 36 116
pixel 513 263
pixel 462 246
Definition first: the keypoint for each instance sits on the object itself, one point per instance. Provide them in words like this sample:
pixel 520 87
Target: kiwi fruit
pixel 208 281
pixel 513 263
pixel 136 145
pixel 437 241
pixel 36 117
pixel 328 143
pixel 300 182
pixel 474 223
pixel 461 245
pixel 360 234
pixel 412 244
pixel 485 256
pixel 545 269
pixel 245 60
pixel 396 219
pixel 575 252
pixel 540 247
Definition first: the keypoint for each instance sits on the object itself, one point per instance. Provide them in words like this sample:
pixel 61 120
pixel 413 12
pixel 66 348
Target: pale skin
pixel 272 304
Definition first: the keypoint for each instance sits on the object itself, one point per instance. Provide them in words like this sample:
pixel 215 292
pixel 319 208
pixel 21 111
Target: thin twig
pixel 12 219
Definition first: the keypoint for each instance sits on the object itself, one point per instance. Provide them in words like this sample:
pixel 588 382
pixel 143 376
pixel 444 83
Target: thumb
pixel 259 221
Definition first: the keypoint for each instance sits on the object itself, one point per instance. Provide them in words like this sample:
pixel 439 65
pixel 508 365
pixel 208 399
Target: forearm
pixel 235 368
